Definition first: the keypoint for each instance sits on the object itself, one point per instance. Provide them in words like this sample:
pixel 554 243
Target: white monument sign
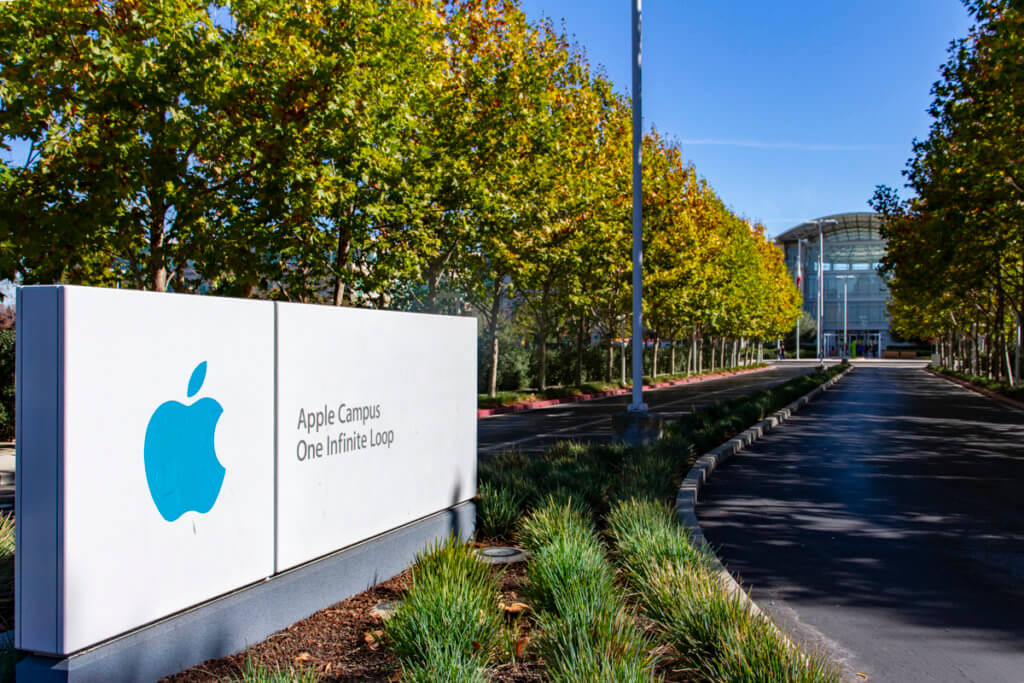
pixel 174 448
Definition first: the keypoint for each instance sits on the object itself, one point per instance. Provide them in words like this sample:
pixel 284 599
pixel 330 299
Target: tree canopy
pixel 437 155
pixel 955 250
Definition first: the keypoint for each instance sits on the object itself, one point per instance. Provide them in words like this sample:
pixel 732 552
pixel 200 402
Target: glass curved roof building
pixel 853 249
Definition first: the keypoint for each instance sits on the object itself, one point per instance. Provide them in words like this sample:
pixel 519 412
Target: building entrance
pixel 859 344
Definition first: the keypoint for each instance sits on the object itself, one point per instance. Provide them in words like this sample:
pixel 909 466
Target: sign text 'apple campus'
pixel 349 439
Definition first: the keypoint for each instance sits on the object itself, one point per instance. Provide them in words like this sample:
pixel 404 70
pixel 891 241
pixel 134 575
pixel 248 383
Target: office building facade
pixel 853 249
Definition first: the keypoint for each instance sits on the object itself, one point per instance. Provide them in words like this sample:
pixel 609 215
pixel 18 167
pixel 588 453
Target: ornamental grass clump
pixel 449 621
pixel 497 511
pixel 559 517
pixel 257 672
pixel 6 570
pixel 712 631
pixel 646 535
pixel 442 662
pixel 585 633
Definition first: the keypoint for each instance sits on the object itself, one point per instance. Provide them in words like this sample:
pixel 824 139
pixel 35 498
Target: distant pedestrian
pixel 782 351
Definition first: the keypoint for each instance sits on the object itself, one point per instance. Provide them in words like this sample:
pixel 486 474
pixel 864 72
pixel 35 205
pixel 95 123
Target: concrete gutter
pixel 689 491
pixel 544 403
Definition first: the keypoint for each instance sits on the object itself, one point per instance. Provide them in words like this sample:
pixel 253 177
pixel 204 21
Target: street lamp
pixel 800 285
pixel 636 425
pixel 846 344
pixel 638 405
pixel 821 278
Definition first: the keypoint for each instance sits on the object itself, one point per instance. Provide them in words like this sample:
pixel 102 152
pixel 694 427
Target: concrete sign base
pixel 247 616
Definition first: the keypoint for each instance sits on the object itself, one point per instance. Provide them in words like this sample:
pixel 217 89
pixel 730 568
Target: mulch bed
pixel 335 644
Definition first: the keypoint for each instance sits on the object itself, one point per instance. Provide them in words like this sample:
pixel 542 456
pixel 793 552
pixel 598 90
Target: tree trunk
pixel 341 259
pixel 579 351
pixel 1016 354
pixel 654 363
pixel 999 343
pixel 542 358
pixel 492 333
pixel 691 365
pixel 157 257
pixel 542 333
pixel 432 280
pixel 974 349
pixel 611 360
pixel 622 357
pixel 672 358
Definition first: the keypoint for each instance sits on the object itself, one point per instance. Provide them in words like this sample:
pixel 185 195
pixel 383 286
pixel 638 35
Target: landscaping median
pixel 516 401
pixel 612 588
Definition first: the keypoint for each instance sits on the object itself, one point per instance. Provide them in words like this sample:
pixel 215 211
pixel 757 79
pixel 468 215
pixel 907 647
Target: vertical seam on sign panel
pixel 19 434
pixel 273 570
pixel 61 454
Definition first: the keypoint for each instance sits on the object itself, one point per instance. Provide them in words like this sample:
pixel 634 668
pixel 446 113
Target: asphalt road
pixel 884 524
pixel 534 430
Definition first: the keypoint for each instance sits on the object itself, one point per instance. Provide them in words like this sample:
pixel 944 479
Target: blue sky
pixel 792 109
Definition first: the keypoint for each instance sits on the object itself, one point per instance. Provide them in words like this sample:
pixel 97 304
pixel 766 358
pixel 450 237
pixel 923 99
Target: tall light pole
pixel 638 404
pixel 846 343
pixel 800 284
pixel 821 279
pixel 821 288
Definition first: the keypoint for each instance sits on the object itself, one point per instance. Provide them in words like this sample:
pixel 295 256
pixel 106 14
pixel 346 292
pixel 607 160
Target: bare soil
pixel 340 644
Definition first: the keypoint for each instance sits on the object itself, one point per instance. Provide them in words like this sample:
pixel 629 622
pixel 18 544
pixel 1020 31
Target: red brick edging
pixel 995 395
pixel 517 407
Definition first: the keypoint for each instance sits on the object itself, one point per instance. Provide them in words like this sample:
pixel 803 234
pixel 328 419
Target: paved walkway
pixel 885 525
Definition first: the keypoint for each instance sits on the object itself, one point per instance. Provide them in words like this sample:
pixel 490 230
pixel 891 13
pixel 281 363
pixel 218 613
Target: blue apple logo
pixel 182 469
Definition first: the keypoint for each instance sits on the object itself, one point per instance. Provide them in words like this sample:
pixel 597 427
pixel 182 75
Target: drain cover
pixel 501 554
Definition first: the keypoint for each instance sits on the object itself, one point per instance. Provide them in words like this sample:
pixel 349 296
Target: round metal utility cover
pixel 385 608
pixel 499 554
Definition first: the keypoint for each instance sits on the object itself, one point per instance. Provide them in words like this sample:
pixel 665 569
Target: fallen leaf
pixel 304 657
pixel 516 608
pixel 476 645
pixel 521 644
pixel 373 638
pixel 862 675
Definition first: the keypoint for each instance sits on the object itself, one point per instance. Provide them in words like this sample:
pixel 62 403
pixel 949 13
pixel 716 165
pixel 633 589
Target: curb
pixel 689 490
pixel 994 395
pixel 519 407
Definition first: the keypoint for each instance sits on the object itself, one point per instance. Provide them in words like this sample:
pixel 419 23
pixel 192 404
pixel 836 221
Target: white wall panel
pixel 413 378
pixel 126 354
